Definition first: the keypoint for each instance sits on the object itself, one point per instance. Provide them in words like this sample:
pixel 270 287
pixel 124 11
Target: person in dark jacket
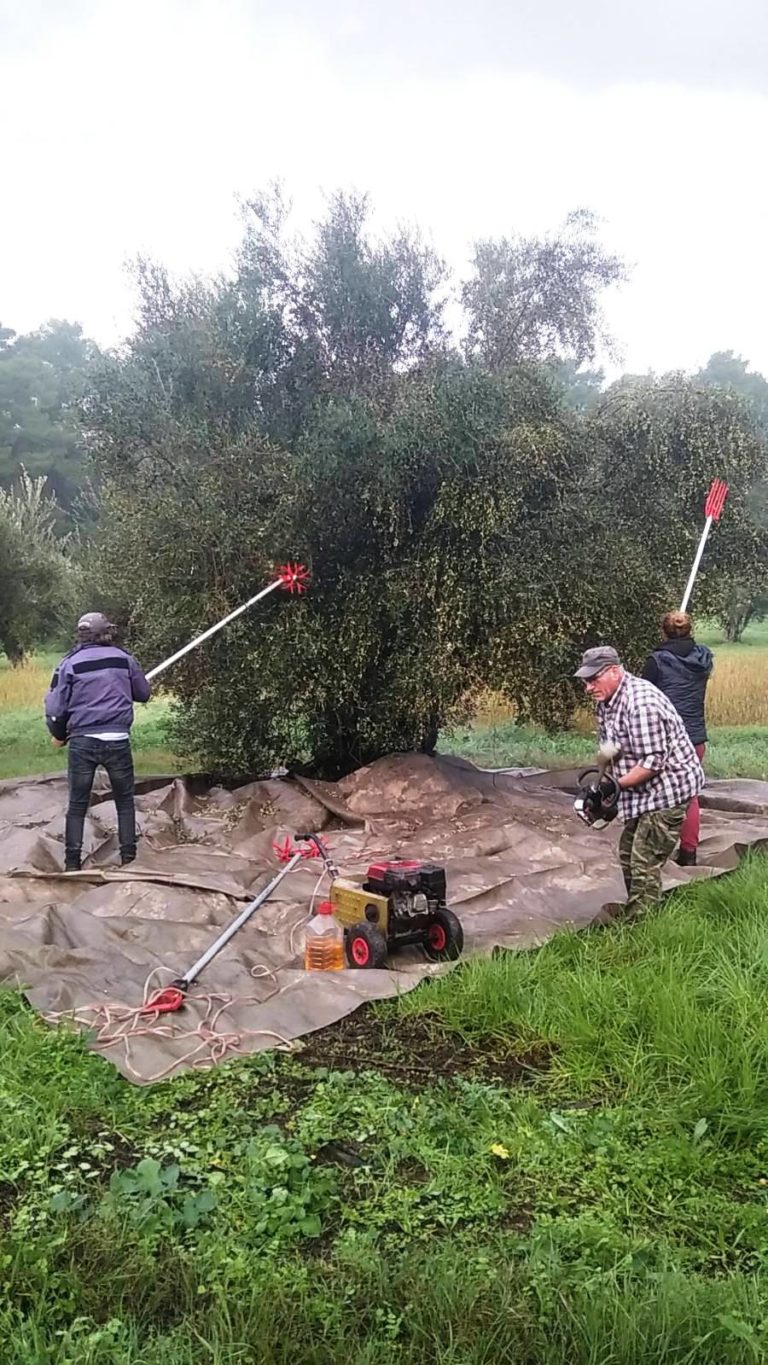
pixel 89 706
pixel 681 669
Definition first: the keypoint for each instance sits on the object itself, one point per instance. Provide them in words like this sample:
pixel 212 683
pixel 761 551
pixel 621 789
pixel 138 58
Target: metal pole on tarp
pixel 171 998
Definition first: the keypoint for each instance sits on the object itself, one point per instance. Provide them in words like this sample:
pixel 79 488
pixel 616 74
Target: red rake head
pixel 294 577
pixel 716 496
pixel 286 849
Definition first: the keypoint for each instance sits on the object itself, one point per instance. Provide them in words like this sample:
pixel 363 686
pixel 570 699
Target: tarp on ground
pixel 93 946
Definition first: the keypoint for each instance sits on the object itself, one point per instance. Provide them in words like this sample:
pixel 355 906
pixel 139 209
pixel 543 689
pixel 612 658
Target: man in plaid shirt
pixel 657 770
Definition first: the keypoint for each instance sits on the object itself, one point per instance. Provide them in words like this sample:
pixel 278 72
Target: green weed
pixel 609 1205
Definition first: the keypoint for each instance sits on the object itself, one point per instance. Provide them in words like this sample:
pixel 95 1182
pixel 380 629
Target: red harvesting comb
pixel 716 496
pixel 294 577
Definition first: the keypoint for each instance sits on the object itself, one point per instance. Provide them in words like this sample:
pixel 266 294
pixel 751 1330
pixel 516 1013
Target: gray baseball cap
pixel 96 622
pixel 593 661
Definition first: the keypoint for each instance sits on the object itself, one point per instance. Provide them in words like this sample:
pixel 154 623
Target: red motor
pixel 416 914
pixel 407 875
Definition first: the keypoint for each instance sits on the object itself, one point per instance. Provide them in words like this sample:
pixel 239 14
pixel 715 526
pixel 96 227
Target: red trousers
pixel 689 834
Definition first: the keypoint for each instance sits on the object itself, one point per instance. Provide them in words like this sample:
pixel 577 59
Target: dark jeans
pixel 85 756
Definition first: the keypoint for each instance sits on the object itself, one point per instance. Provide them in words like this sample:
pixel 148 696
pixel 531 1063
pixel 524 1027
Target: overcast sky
pixel 132 126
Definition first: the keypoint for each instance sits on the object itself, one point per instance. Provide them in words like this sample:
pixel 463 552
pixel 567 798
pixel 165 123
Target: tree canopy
pixel 42 380
pixel 465 524
pixel 37 578
pixel 532 298
pixel 746 596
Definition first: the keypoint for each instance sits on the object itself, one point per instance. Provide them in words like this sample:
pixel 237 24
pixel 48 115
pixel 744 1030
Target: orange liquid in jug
pixel 324 955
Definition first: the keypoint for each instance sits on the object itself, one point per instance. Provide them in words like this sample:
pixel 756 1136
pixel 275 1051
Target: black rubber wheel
pixel 366 946
pixel 445 937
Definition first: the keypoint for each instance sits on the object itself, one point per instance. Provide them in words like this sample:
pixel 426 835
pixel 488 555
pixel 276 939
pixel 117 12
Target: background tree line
pixel 474 511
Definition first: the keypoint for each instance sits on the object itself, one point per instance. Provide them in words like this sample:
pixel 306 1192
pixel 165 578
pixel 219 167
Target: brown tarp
pixel 92 946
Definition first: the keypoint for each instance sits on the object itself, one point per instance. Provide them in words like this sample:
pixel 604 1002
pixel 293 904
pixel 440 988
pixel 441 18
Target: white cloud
pixel 135 131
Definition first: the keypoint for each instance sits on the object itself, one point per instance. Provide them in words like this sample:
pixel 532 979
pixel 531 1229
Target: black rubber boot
pixel 686 857
pixel 72 863
pixel 127 857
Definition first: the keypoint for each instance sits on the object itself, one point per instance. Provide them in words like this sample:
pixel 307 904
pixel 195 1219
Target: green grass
pixel 665 1013
pixel 554 1157
pixel 546 1158
pixel 25 745
pixel 733 751
pixel 738 693
pixel 755 637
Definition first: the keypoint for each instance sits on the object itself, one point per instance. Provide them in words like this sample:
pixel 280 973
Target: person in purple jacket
pixel 89 706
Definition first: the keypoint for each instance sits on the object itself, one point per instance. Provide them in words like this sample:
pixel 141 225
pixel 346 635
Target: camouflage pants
pixel 645 845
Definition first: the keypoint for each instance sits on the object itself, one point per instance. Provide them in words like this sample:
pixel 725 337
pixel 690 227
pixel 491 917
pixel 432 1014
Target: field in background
pixel 23 688
pixel 741 751
pixel 25 745
pixel 737 694
pixel 737 714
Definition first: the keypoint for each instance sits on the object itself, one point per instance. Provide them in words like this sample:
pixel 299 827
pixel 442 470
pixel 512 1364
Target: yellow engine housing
pixel 350 903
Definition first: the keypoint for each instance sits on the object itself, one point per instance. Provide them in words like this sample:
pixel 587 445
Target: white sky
pixel 131 126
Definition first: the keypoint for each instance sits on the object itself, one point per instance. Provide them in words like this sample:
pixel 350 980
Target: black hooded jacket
pixel 681 669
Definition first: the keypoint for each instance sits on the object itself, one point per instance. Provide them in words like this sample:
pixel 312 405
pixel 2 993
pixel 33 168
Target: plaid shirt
pixel 645 723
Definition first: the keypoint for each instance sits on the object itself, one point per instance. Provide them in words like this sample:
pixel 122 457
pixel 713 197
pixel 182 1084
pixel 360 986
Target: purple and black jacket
pixel 93 689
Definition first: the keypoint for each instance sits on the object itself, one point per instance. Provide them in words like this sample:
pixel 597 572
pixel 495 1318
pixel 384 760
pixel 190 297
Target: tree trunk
pixel 430 738
pixel 734 627
pixel 15 653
